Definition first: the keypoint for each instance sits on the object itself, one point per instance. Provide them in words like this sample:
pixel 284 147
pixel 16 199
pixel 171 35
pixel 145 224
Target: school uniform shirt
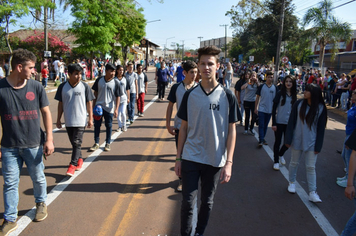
pixel 250 93
pixel 351 142
pixel 124 87
pixel 141 80
pixel 175 96
pixel 74 101
pixel 298 134
pixel 208 117
pixel 351 120
pixel 131 78
pixel 238 86
pixel 267 95
pixel 107 93
pixel 283 112
pixel 162 74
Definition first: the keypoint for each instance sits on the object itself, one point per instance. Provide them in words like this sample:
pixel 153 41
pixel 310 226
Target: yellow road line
pixel 111 218
pixel 134 205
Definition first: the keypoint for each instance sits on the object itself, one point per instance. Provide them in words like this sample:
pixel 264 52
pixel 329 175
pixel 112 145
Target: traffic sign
pixel 285 59
pixel 251 58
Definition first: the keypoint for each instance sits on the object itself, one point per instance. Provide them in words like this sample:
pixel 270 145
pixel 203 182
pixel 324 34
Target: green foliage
pixel 326 28
pixel 259 34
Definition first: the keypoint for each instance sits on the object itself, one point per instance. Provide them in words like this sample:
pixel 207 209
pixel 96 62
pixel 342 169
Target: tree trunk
pixel 7 38
pixel 321 56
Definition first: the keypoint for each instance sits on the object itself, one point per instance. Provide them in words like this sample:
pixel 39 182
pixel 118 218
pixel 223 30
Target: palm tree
pixel 326 28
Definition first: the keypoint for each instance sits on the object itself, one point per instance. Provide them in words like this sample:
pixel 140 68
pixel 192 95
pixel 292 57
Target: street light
pixel 147 42
pixel 165 47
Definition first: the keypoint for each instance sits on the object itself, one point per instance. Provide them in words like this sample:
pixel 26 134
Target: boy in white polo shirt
pixel 75 100
pixel 206 140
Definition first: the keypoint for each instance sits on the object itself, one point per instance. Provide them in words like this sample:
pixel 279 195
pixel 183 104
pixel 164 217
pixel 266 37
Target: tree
pixel 10 10
pixel 243 13
pixel 298 48
pixel 35 44
pixel 326 28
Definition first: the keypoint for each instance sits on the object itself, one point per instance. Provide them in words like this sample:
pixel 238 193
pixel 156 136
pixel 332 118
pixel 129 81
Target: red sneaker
pixel 80 164
pixel 71 170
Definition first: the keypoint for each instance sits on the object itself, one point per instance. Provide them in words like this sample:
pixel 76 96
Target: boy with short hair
pixel 75 100
pixel 131 78
pixel 142 89
pixel 264 102
pixel 206 140
pixel 107 92
pixel 175 96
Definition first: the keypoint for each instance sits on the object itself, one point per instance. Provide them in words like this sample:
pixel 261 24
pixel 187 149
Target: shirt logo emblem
pixel 30 96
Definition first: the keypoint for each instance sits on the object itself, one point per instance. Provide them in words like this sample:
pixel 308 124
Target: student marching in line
pixel 249 101
pixel 206 141
pixel 175 96
pixel 125 87
pixel 282 107
pixel 75 101
pixel 305 135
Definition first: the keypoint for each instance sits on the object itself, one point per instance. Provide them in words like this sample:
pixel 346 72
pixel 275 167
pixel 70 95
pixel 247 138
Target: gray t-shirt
pixel 250 93
pixel 267 95
pixel 142 79
pixel 175 96
pixel 74 101
pixel 283 112
pixel 20 114
pixel 124 87
pixel 208 117
pixel 107 93
pixel 131 78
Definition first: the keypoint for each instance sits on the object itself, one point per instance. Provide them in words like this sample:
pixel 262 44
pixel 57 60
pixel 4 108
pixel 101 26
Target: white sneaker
pixel 314 197
pixel 341 178
pixel 282 160
pixel 124 129
pixel 291 188
pixel 276 166
pixel 245 132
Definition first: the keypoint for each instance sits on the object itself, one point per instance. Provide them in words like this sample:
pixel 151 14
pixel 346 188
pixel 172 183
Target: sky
pixel 186 20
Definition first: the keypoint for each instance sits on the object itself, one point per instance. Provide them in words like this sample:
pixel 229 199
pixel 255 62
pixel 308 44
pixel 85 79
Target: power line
pixel 342 4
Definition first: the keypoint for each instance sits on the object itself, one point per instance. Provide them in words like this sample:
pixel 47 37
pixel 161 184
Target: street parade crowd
pixel 201 92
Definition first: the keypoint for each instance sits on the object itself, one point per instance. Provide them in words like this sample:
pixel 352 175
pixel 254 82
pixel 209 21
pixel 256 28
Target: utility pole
pixel 280 34
pixel 225 40
pixel 200 37
pixel 182 50
pixel 45 17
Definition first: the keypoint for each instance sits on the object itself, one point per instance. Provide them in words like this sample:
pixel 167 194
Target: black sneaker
pixel 7 227
pixel 265 142
pixel 41 211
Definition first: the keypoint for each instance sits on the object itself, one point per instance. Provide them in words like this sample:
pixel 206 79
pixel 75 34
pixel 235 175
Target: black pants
pixel 281 131
pixel 161 89
pixel 209 177
pixel 75 135
pixel 176 137
pixel 249 108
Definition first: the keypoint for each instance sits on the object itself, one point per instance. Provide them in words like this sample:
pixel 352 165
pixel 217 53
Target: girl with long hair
pixel 249 101
pixel 282 107
pixel 125 86
pixel 305 134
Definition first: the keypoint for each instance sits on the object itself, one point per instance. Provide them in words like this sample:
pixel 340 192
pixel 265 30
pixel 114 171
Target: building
pixel 344 61
pixel 218 42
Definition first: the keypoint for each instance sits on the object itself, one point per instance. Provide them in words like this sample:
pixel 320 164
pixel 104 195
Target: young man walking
pixel 131 78
pixel 206 141
pixel 75 101
pixel 175 97
pixel 142 89
pixel 107 92
pixel 21 101
pixel 263 106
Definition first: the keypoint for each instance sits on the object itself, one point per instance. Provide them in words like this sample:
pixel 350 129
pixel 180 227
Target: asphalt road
pixel 131 189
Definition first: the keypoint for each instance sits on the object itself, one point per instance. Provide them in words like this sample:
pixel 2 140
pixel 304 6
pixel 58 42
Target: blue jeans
pixel 228 83
pixel 131 106
pixel 209 178
pixel 44 82
pixel 310 161
pixel 346 153
pixel 108 124
pixel 350 227
pixel 12 162
pixel 263 120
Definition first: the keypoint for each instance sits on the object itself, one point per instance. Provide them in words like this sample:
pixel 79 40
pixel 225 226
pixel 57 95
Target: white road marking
pixel 312 207
pixel 25 220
